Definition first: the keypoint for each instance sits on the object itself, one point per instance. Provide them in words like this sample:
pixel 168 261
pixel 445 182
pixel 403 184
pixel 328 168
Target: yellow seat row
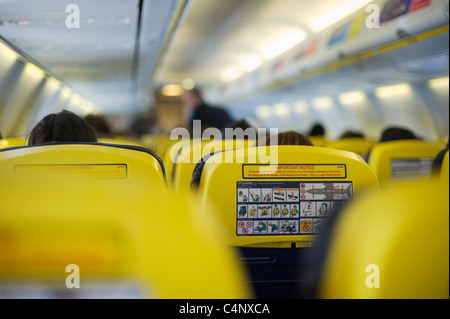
pixel 98 216
pixel 273 203
pixel 393 244
pixel 259 207
pixel 21 141
pixel 398 163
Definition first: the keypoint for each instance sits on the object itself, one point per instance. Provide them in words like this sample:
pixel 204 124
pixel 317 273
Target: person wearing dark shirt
pixel 199 110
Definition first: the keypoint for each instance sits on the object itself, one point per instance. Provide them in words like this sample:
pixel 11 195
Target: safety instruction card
pixel 287 208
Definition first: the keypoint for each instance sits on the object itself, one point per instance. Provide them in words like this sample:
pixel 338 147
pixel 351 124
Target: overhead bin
pixel 350 42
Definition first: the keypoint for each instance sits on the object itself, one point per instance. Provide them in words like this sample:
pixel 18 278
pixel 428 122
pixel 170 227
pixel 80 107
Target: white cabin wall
pixel 422 108
pixel 55 103
pixel 439 105
pixel 7 60
pixel 302 115
pixel 402 106
pixel 363 111
pixel 17 99
pixel 46 99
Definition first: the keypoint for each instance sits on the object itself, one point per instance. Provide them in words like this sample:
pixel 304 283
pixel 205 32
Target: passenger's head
pixel 64 126
pixel 317 130
pixel 99 124
pixel 192 98
pixel 397 133
pixel 350 133
pixel 241 124
pixel 290 138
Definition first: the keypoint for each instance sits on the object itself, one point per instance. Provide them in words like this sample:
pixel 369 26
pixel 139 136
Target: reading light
pixel 392 90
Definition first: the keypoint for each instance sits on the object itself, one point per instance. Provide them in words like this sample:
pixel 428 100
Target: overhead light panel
pixel 283 43
pixel 393 90
pixel 300 107
pixel 251 62
pixel 440 82
pixel 87 107
pixel 188 84
pixel 322 103
pixel 172 90
pixel 66 92
pixel 7 54
pixel 263 111
pixel 54 83
pixel 231 74
pixel 33 70
pixel 352 97
pixel 281 109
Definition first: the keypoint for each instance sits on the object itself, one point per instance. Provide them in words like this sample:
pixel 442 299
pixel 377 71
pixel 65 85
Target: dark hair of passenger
pixel 348 134
pixel 290 138
pixel 243 124
pixel 99 124
pixel 397 133
pixel 64 126
pixel 439 159
pixel 317 130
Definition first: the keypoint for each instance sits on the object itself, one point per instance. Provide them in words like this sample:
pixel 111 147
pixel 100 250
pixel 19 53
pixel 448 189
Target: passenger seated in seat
pixel 397 133
pixel 64 126
pixel 393 134
pixel 317 130
pixel 349 133
pixel 290 138
pixel 437 163
pixel 284 138
pixel 100 125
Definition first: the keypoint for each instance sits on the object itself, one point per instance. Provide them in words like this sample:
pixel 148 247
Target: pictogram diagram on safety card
pixel 287 208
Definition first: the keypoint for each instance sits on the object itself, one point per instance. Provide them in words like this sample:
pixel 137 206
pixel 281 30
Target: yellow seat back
pixel 158 143
pixel 318 140
pixel 191 154
pixel 392 244
pixel 129 165
pixel 12 141
pixel 123 140
pixel 397 163
pixel 285 202
pixel 116 242
pixel 351 144
pixel 444 175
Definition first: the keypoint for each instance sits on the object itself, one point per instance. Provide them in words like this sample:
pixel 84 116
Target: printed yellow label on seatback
pixel 89 171
pixel 303 171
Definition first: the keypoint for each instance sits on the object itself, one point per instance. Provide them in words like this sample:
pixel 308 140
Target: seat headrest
pixel 397 163
pixel 283 201
pixel 391 244
pixel 98 158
